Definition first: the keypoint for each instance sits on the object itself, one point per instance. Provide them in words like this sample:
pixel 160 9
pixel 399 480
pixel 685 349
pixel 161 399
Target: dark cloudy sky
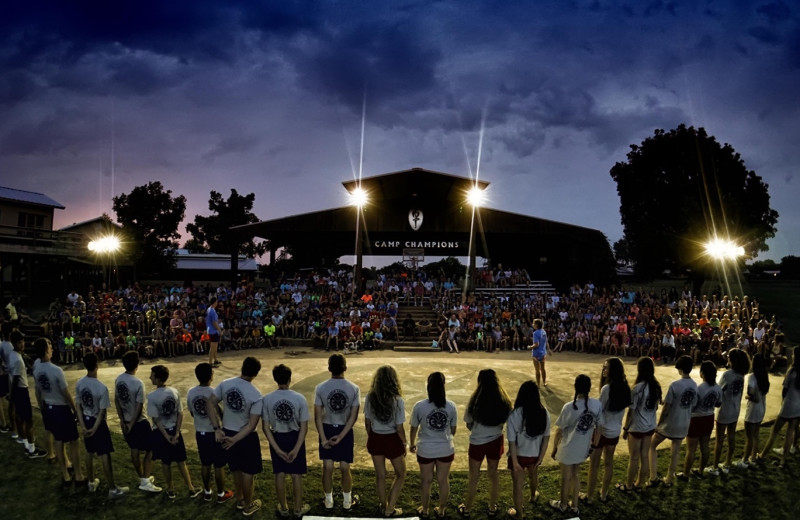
pixel 267 97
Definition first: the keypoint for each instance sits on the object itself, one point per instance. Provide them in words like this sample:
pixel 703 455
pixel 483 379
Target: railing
pixel 14 239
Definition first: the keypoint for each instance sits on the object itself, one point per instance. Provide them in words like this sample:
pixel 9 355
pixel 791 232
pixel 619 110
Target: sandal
pixel 621 486
pixel 396 512
pixel 603 500
pixel 667 483
pixel 422 514
pixel 654 483
pixel 556 504
pixel 491 513
pixel 583 497
pixel 512 513
pixel 439 513
pixel 534 498
pixel 462 510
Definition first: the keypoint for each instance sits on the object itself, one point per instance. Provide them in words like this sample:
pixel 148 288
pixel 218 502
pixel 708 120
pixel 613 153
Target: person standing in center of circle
pixel 336 404
pixel 539 352
pixel 435 419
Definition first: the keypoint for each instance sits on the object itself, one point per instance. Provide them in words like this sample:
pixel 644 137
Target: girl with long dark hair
pixel 615 396
pixel 732 385
pixel 757 389
pixel 384 418
pixel 435 420
pixel 790 411
pixel 528 430
pixel 487 412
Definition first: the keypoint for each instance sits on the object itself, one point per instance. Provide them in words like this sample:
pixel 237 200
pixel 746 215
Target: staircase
pixel 422 342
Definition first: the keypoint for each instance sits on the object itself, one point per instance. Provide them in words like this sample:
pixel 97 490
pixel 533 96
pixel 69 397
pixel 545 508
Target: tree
pixel 677 190
pixel 150 217
pixel 213 232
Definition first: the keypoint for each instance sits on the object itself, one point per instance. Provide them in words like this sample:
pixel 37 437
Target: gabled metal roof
pixel 28 197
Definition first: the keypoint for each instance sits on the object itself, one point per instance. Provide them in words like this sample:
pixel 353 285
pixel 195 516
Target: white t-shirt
pixel 790 408
pixel 681 398
pixel 611 425
pixel 732 385
pixel 130 393
pixel 435 428
pixel 51 383
pixel 164 405
pixel 756 406
pixel 241 400
pixel 390 426
pixel 337 396
pixel 92 396
pixel 481 433
pixel 708 398
pixel 644 418
pixel 527 446
pixel 197 402
pixel 284 410
pixel 577 427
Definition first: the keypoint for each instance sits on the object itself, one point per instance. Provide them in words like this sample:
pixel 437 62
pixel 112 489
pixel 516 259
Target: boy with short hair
pixel 92 405
pixel 285 422
pixel 336 403
pixel 58 409
pixel 210 451
pixel 20 398
pixel 164 408
pixel 237 431
pixel 129 401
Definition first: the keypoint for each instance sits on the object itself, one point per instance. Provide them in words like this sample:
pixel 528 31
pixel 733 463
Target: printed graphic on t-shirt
pixel 585 422
pixel 199 406
pixel 687 398
pixel 437 420
pixel 283 410
pixel 337 400
pixel 709 401
pixel 168 407
pixel 123 394
pixel 87 399
pixel 234 400
pixel 44 383
pixel 736 387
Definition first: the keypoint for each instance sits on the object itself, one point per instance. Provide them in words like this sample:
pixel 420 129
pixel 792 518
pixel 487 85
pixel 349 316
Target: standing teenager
pixel 539 352
pixel 640 424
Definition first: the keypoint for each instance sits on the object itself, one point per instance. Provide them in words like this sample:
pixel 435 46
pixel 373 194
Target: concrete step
pixel 415 348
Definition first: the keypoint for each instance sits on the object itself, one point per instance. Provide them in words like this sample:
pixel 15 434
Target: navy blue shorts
pixel 286 442
pixel 165 451
pixel 342 452
pixel 61 422
pixel 213 338
pixel 211 452
pixel 22 404
pixel 4 385
pixel 139 436
pixel 99 443
pixel 245 455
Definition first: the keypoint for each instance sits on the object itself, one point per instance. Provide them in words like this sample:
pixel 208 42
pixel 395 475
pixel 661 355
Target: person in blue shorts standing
pixel 539 352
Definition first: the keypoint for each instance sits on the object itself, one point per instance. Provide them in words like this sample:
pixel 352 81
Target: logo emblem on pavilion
pixel 415 219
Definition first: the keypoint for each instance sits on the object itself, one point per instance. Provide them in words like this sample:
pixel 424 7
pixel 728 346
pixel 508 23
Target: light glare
pixel 358 197
pixel 107 244
pixel 476 196
pixel 723 249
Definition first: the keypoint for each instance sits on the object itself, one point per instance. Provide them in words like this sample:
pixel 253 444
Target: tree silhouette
pixel 213 231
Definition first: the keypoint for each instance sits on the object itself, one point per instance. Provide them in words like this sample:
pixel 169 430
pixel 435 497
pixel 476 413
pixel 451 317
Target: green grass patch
pixel 32 488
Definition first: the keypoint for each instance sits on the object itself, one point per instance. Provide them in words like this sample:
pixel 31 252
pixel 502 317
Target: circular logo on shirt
pixel 168 407
pixel 87 399
pixel 687 398
pixel 337 400
pixel 437 420
pixel 123 394
pixel 585 422
pixel 44 383
pixel 284 411
pixel 234 400
pixel 199 406
pixel 709 401
pixel 737 386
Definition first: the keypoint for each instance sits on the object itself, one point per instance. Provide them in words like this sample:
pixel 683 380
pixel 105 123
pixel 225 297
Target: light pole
pixel 358 198
pixel 105 247
pixel 475 198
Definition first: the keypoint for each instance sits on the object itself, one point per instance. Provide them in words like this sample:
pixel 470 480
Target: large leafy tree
pixel 213 232
pixel 150 216
pixel 680 188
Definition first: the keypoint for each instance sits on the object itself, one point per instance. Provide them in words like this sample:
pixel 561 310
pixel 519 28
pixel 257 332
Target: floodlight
pixel 105 245
pixel 358 197
pixel 476 196
pixel 720 249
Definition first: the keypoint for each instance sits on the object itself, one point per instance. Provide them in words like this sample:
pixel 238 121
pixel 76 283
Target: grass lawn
pixel 32 489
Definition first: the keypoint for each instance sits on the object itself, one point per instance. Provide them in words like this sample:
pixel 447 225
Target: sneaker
pixel 37 454
pixel 696 473
pixel 227 495
pixel 196 492
pixel 724 469
pixel 740 464
pixel 20 440
pixel 711 470
pixel 171 495
pixel 117 492
pixel 93 485
pixel 683 477
pixel 208 496
pixel 282 512
pixel 15 436
pixel 303 510
pixel 779 451
pixel 328 503
pixel 4 429
pixel 353 502
pixel 254 506
pixel 149 486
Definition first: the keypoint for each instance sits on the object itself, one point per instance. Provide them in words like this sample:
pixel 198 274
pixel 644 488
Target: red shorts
pixel 641 435
pixel 388 445
pixel 605 441
pixel 525 462
pixel 446 458
pixel 701 426
pixel 492 450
